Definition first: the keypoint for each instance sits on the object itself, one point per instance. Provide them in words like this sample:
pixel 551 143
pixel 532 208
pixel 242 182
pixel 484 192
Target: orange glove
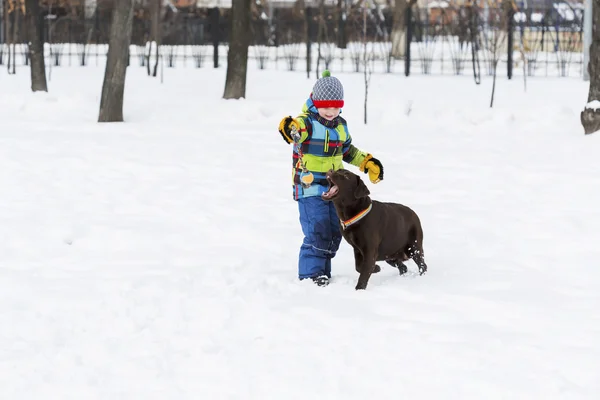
pixel 285 128
pixel 373 167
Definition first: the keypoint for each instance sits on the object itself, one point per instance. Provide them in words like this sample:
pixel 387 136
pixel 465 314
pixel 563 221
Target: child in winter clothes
pixel 324 144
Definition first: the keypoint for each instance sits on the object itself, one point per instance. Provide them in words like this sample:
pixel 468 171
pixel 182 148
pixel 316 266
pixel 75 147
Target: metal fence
pixel 442 39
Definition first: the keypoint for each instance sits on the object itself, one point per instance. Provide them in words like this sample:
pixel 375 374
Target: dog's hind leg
pixel 416 253
pixel 415 250
pixel 418 259
pixel 402 269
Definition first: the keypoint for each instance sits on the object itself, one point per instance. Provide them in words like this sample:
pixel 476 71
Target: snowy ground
pixel 156 259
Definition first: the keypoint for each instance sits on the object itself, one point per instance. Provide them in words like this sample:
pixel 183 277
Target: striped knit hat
pixel 328 92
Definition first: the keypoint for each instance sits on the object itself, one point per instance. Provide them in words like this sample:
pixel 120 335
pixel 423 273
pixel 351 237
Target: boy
pixel 324 144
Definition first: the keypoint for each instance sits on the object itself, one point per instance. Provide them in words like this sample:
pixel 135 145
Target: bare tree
pixel 237 57
pixel 12 23
pixel 340 18
pixel 523 56
pixel 399 27
pixel 111 102
pixel 495 39
pixel 325 46
pixel 590 116
pixel 36 46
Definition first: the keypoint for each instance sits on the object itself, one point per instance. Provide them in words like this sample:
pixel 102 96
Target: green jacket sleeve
pixel 304 129
pixel 353 155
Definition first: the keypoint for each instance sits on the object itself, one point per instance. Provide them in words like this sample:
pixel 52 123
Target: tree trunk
pixel 590 116
pixel 12 32
pixel 495 69
pixel 111 102
pixel 340 17
pixel 36 47
pixel 320 32
pixel 154 35
pixel 399 27
pixel 367 72
pixel 308 25
pixel 237 57
pixel 3 19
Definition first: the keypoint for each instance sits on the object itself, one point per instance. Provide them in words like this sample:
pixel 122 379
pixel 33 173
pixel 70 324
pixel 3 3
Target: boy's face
pixel 329 113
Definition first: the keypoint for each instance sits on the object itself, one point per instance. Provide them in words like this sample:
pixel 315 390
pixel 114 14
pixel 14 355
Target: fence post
pixel 409 28
pixel 215 33
pixel 510 27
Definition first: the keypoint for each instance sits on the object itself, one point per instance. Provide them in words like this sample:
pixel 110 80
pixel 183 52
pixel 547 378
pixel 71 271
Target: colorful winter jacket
pixel 323 148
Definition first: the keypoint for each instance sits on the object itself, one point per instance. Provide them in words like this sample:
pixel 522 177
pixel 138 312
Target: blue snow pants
pixel 322 237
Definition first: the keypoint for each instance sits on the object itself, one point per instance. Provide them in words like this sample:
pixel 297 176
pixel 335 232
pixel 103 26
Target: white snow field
pixel 157 258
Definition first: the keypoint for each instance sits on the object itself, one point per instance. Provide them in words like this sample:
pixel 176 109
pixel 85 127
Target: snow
pixel 157 258
pixel 535 17
pixel 438 4
pixel 569 12
pixel 594 104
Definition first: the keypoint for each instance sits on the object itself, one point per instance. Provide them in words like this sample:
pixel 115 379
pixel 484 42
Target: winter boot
pixel 321 280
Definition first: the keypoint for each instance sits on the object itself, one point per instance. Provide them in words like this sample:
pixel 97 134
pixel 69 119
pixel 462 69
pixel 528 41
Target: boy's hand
pixel 373 167
pixel 285 128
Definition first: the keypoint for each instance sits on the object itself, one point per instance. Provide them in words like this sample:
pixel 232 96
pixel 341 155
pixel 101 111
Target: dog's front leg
pixel 365 269
pixel 358 261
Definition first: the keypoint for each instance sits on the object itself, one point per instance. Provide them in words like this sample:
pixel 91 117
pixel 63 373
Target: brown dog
pixel 377 231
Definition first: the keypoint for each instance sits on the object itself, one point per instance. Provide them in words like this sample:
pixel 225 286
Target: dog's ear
pixel 361 189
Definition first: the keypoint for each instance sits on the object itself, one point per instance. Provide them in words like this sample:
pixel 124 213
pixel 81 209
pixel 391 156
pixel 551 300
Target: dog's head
pixel 345 187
